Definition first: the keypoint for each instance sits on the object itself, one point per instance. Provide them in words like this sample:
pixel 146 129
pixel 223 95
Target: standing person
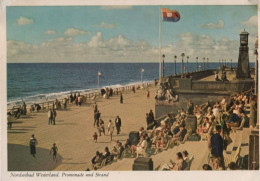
pixel 54 112
pixel 133 89
pixel 50 115
pixel 95 107
pixel 96 118
pixel 33 143
pixel 95 137
pixel 71 98
pixel 151 115
pixel 118 124
pixel 110 129
pixel 54 150
pixel 121 98
pixel 216 148
pixel 148 94
pixel 101 127
pixel 79 100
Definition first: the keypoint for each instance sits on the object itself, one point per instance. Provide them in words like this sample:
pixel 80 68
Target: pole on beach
pixel 160 42
pixel 203 63
pixel 182 67
pixel 231 64
pixel 207 63
pixel 197 68
pixel 175 57
pixel 99 74
pixel 142 70
pixel 187 68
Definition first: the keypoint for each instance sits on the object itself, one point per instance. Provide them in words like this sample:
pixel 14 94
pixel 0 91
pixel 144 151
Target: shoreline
pixel 88 93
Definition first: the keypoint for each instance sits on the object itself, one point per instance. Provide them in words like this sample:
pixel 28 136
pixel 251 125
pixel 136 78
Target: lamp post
pixel 163 56
pixel 175 57
pixel 231 64
pixel 203 63
pixel 207 63
pixel 142 70
pixel 222 62
pixel 256 77
pixel 197 68
pixel 187 68
pixel 99 74
pixel 182 67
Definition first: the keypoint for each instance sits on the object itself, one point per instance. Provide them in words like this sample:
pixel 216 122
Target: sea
pixel 40 82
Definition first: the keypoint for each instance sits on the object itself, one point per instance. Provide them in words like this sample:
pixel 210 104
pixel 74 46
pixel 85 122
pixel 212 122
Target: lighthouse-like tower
pixel 243 68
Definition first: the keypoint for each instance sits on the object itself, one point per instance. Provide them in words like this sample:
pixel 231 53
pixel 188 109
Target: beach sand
pixel 73 133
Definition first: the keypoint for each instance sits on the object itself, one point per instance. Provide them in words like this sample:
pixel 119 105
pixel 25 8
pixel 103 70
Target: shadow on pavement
pixel 20 159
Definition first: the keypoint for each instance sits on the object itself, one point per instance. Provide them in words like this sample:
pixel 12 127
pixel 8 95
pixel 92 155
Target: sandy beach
pixel 73 133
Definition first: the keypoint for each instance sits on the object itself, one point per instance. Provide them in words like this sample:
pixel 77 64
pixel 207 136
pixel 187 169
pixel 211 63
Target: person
pixel 96 118
pixel 107 154
pixel 133 89
pixel 121 98
pixel 180 165
pixel 216 148
pixel 190 107
pixel 97 159
pixel 101 127
pixel 95 136
pixel 95 107
pixel 54 150
pixel 206 167
pixel 186 159
pixel 216 77
pixel 110 129
pixel 151 115
pixel 225 131
pixel 50 116
pixel 140 146
pixel 148 94
pixel 54 116
pixel 33 143
pixel 224 76
pixel 71 98
pixel 118 124
pixel 79 100
pixel 150 123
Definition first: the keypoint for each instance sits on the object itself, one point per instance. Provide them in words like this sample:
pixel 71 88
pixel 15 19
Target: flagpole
pixel 160 42
pixel 98 80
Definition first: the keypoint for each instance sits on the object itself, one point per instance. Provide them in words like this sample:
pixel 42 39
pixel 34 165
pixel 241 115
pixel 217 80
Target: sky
pixel 126 33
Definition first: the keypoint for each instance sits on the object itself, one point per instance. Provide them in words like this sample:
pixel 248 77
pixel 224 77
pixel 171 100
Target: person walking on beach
pixel 54 112
pixel 95 107
pixel 148 94
pixel 54 150
pixel 50 116
pixel 118 124
pixel 96 118
pixel 95 137
pixel 121 98
pixel 110 129
pixel 33 143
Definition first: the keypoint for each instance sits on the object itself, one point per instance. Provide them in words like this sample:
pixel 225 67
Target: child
pixel 54 150
pixel 95 136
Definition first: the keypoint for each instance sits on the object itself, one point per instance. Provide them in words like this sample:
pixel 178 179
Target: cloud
pixel 106 25
pixel 123 49
pixel 219 25
pixel 251 22
pixel 24 21
pixel 76 32
pixel 50 32
pixel 115 7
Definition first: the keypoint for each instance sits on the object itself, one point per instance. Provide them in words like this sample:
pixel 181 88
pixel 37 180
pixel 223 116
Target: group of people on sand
pixel 52 114
pixel 100 124
pixel 76 98
pixel 33 142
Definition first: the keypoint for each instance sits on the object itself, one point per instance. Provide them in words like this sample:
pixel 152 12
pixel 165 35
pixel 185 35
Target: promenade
pixel 73 133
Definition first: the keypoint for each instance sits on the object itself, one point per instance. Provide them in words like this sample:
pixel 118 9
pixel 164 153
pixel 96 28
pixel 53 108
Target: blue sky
pixel 133 23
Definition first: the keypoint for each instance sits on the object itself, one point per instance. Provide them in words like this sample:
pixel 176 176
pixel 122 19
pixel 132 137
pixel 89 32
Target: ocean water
pixel 38 82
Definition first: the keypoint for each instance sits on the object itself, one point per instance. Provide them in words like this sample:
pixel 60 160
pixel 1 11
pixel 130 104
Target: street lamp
pixel 203 63
pixel 163 56
pixel 175 57
pixel 219 64
pixel 231 64
pixel 182 55
pixel 142 71
pixel 197 63
pixel 207 63
pixel 187 68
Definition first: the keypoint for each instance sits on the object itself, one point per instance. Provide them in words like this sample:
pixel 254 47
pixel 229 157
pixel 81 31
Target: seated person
pixel 233 120
pixel 141 146
pixel 120 150
pixel 107 155
pixel 180 163
pixel 204 128
pixel 97 159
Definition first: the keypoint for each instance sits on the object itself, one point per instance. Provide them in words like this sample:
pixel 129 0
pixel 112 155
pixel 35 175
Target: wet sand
pixel 73 133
